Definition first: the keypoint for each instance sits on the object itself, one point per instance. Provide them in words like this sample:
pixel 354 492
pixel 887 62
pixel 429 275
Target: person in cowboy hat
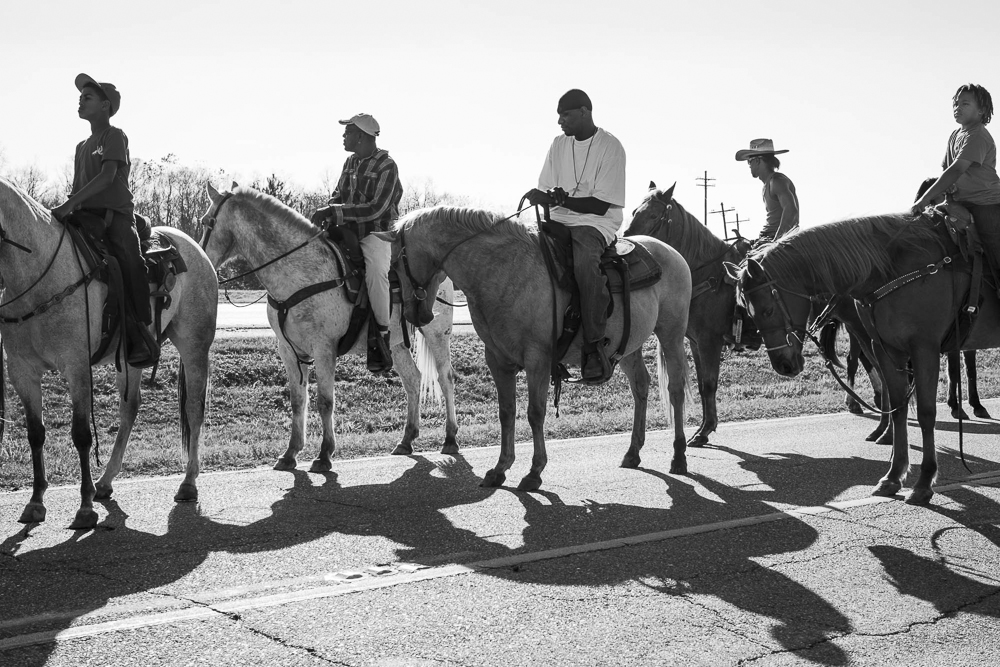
pixel 100 188
pixel 780 201
pixel 367 200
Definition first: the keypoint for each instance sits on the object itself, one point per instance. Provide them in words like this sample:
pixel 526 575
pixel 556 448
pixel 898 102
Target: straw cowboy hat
pixel 758 147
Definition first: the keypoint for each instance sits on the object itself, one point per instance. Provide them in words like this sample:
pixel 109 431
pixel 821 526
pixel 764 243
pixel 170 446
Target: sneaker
pixel 379 353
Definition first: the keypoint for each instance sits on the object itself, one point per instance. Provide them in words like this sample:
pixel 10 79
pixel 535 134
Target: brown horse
pixel 49 324
pixel 909 282
pixel 713 296
pixel 498 264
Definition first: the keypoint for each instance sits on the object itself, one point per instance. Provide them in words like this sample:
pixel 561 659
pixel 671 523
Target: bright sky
pixel 465 92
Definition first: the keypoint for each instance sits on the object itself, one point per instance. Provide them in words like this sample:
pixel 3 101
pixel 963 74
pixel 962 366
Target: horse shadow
pixel 55 586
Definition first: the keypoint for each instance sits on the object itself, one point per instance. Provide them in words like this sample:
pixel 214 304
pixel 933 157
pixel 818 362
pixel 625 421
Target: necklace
pixel 582 171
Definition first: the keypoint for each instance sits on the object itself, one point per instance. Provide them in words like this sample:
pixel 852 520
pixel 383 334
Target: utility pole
pixel 736 224
pixel 705 184
pixel 723 210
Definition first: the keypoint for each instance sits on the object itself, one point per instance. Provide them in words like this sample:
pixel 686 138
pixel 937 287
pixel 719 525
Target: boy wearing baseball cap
pixel 100 187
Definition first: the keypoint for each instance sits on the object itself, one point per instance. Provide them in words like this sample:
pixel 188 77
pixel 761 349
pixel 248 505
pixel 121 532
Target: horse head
pixel 419 278
pixel 217 240
pixel 781 321
pixel 653 213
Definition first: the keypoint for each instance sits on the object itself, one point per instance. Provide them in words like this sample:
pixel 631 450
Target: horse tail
pixel 828 342
pixel 661 378
pixel 430 388
pixel 3 394
pixel 182 399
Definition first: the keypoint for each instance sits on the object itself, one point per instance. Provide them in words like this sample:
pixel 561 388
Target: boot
pixel 379 354
pixel 143 350
pixel 595 367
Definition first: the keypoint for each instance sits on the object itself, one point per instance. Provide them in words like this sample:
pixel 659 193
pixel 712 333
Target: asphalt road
pixel 771 552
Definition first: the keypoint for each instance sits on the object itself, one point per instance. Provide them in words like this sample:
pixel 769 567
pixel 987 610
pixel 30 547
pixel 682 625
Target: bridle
pixel 210 219
pixel 791 331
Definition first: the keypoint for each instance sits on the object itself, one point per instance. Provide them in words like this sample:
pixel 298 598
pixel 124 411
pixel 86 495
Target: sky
pixel 859 92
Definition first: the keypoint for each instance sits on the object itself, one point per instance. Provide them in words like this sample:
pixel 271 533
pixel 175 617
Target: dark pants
pixel 123 243
pixel 588 246
pixel 987 221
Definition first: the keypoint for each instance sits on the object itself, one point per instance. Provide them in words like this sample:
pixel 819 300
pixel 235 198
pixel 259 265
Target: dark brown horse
pixel 910 282
pixel 713 296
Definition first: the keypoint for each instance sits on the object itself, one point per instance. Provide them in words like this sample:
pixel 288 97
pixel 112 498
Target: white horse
pixel 260 229
pixel 50 319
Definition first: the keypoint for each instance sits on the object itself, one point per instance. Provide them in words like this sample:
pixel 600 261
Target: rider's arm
pixel 942 184
pixel 581 204
pixel 109 169
pixel 789 208
pixel 388 192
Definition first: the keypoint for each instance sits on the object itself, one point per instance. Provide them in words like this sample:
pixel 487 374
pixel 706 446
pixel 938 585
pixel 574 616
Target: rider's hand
pixel 559 196
pixel 321 217
pixel 62 211
pixel 536 197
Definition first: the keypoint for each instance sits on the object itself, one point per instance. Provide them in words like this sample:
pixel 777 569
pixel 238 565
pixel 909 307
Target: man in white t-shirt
pixel 584 180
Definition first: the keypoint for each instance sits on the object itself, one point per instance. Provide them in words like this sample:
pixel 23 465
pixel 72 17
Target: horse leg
pixel 537 376
pixel 635 370
pixel 926 367
pixel 129 398
pixel 298 384
pixel 326 367
pixel 707 360
pixel 439 343
pixel 406 369
pixel 894 397
pixel 86 517
pixel 504 377
pixel 954 378
pixel 28 386
pixel 853 354
pixel 970 370
pixel 192 396
pixel 673 360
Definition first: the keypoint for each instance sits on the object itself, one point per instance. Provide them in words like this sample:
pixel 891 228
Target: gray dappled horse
pixel 498 264
pixel 64 332
pixel 260 229
pixel 916 280
pixel 713 300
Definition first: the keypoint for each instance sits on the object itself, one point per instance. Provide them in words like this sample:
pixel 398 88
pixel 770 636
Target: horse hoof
pixel 698 440
pixel 450 449
pixel 884 439
pixel 631 461
pixel 920 497
pixel 321 465
pixel 33 513
pixel 981 413
pixel 679 466
pixel 887 489
pixel 285 463
pixel 530 482
pixel 959 413
pixel 187 493
pixel 103 492
pixel 86 519
pixel 493 479
pixel 402 450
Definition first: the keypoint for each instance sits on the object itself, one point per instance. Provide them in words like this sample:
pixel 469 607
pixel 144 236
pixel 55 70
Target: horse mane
pixel 471 220
pixel 842 256
pixel 258 205
pixel 691 238
pixel 12 196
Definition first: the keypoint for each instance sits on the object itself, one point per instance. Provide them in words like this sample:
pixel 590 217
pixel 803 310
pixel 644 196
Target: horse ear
pixel 652 185
pixel 213 194
pixel 754 269
pixel 669 194
pixel 388 237
pixel 733 271
pixel 235 185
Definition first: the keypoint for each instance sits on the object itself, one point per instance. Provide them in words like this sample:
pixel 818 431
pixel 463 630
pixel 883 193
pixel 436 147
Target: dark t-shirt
pixel 111 144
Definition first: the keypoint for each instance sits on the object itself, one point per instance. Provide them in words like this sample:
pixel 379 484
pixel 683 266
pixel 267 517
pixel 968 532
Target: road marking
pixel 407 573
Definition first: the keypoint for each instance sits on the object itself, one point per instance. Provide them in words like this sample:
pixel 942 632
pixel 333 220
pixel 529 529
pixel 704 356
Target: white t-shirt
pixel 594 167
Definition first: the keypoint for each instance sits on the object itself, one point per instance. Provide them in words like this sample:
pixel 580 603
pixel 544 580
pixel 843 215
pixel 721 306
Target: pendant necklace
pixel 585 160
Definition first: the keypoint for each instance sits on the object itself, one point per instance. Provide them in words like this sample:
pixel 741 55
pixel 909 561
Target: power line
pixel 705 184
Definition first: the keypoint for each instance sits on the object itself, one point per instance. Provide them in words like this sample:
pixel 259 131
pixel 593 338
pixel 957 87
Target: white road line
pixel 404 574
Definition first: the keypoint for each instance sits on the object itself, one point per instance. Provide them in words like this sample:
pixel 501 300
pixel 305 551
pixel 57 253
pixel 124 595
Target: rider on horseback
pixel 970 168
pixel 100 188
pixel 367 200
pixel 584 178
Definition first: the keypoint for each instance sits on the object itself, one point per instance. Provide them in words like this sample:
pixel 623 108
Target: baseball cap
pixel 364 122
pixel 108 90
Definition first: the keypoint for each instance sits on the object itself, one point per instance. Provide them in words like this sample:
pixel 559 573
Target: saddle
pixel 163 264
pixel 626 266
pixel 957 221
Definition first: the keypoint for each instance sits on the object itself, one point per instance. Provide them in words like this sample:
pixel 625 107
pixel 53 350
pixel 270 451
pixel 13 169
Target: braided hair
pixel 982 97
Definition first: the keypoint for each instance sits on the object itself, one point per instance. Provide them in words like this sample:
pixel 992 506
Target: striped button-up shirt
pixel 367 194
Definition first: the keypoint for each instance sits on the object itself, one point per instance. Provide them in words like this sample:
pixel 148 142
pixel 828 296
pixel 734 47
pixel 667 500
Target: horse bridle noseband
pixel 798 333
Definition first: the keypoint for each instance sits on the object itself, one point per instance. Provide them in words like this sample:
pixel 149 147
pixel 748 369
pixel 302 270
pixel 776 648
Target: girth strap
pixel 298 297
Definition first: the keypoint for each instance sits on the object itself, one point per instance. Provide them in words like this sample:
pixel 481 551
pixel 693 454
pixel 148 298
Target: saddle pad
pixel 643 269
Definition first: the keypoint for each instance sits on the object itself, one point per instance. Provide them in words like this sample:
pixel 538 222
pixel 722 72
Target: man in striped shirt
pixel 367 200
